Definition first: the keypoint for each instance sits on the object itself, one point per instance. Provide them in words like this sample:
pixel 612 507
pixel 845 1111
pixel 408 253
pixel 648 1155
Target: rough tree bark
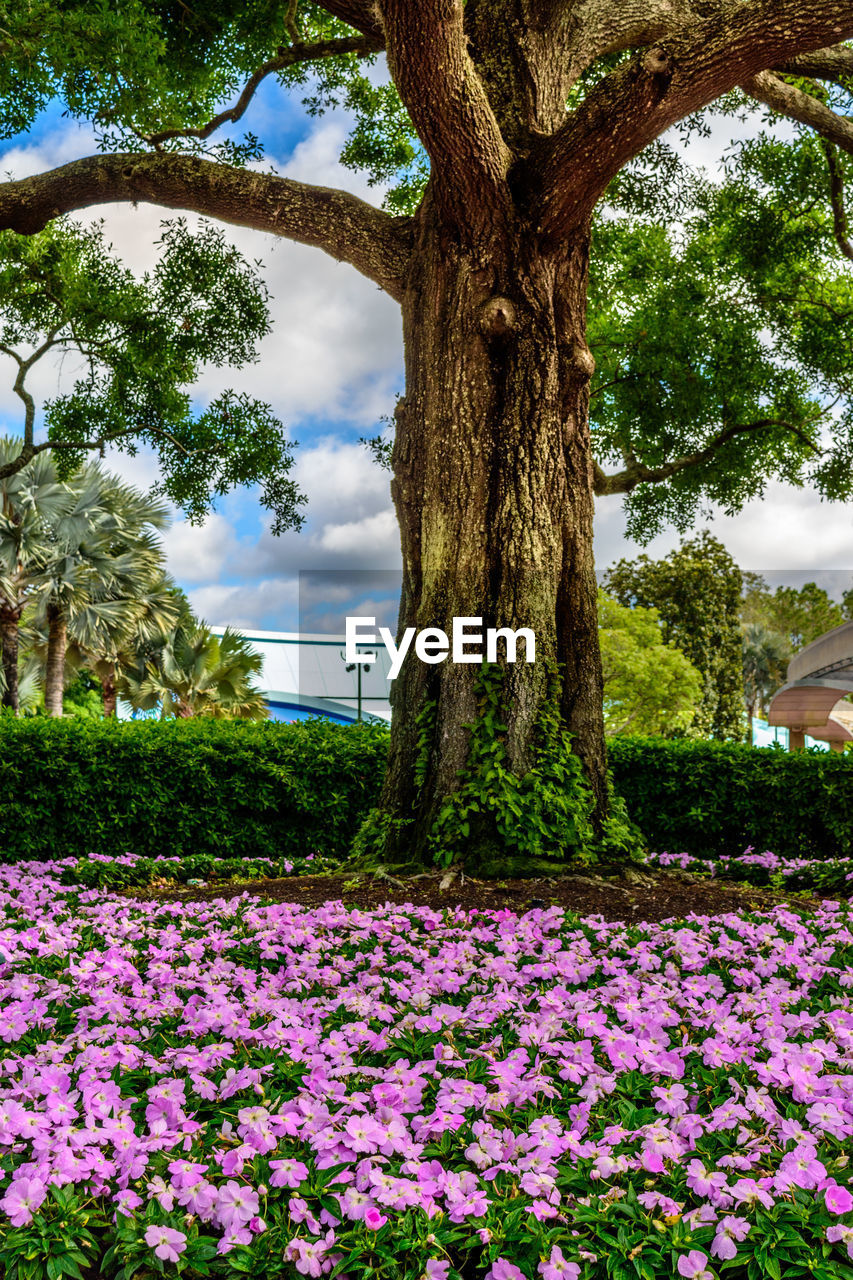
pixel 493 472
pixel 493 491
pixel 108 691
pixel 54 673
pixel 10 618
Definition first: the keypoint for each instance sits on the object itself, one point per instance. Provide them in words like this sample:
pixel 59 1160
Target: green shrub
pixel 714 798
pixel 229 789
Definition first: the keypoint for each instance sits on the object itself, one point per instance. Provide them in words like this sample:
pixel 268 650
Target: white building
pixel 306 675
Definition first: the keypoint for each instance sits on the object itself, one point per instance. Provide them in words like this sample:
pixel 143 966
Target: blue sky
pixel 331 368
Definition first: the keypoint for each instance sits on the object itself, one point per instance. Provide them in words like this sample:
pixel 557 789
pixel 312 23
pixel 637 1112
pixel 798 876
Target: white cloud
pixel 197 553
pixel 68 143
pixel 274 600
pixel 789 532
pixel 376 537
pixel 335 347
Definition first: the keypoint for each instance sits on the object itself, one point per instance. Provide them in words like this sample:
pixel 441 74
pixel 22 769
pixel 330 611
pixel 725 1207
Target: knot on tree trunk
pixel 657 61
pixel 583 360
pixel 497 317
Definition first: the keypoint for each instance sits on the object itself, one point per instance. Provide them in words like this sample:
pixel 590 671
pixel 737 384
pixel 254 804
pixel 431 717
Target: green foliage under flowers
pixel 710 798
pixel 767 870
pixel 60 1233
pixel 117 873
pixel 189 787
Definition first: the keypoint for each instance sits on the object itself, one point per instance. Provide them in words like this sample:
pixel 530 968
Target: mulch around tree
pixel 658 895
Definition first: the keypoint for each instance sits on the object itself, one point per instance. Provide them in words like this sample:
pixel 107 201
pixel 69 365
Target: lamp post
pixel 357 667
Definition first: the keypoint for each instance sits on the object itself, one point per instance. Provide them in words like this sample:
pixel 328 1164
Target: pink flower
pixel 436 1270
pixel 748 1191
pixel 23 1198
pixel 167 1244
pixel 729 1229
pixel 503 1270
pixel 839 1234
pixel 373 1219
pixel 692 1266
pixel 288 1173
pixel 236 1204
pixel 838 1199
pixel 557 1266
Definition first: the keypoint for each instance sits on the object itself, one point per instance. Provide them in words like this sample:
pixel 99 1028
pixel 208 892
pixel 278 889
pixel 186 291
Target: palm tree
pixel 765 657
pixel 106 563
pixel 31 502
pixel 30 678
pixel 121 633
pixel 197 673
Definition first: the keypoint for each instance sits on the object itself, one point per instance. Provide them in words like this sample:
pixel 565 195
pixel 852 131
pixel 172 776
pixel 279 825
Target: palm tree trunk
pixel 108 689
pixel 54 675
pixel 9 619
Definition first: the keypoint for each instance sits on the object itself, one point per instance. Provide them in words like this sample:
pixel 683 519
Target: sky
pixel 331 369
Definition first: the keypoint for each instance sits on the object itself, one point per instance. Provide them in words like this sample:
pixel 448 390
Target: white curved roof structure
pixel 819 678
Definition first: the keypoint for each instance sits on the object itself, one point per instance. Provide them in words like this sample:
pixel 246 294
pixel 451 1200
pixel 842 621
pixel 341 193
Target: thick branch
pixel 291 57
pixel 637 472
pixel 361 15
pixel 439 85
pixel 824 64
pixel 593 30
pixel 347 228
pixel 798 105
pixel 632 106
pixel 841 226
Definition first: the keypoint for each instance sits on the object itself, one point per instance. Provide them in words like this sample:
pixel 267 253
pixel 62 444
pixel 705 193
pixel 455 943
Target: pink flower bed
pixel 237 1089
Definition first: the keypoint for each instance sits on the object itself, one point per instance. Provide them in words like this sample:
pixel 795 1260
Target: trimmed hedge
pixel 226 788
pixel 714 798
pixel 235 790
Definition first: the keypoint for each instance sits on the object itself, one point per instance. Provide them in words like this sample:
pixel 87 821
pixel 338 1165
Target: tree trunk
pixel 493 490
pixel 54 675
pixel 9 623
pixel 108 690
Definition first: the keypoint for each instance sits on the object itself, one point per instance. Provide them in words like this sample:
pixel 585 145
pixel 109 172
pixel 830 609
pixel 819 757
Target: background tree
pixel 144 341
pixel 650 687
pixel 803 614
pixel 485 243
pixel 36 513
pixel 92 583
pixel 697 593
pixel 125 626
pixel 775 625
pixel 766 654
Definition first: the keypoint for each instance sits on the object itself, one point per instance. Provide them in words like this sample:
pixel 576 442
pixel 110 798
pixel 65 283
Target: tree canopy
pixel 144 340
pixel 721 310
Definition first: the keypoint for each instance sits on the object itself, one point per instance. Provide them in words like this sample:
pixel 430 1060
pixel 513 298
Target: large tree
pixel 523 113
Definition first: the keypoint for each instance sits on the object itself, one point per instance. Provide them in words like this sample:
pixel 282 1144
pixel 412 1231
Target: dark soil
pixel 658 895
